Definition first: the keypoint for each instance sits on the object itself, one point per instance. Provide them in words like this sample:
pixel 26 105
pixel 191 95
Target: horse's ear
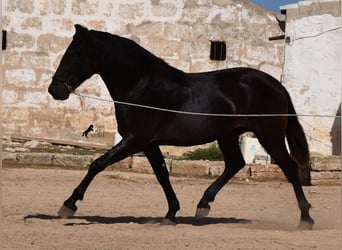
pixel 80 30
pixel 83 34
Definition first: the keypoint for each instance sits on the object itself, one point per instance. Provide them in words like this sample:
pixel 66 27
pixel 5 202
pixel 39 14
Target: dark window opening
pixel 4 39
pixel 218 50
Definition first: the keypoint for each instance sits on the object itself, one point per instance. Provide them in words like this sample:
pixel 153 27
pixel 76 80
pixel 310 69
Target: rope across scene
pixel 202 114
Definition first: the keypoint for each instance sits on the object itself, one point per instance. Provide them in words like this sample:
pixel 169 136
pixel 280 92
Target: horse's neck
pixel 123 72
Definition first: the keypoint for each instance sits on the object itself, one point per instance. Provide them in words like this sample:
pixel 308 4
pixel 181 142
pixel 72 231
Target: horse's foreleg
pixel 117 153
pixel 232 156
pixel 156 159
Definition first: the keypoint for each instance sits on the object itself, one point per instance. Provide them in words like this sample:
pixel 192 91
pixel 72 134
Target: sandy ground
pixel 123 211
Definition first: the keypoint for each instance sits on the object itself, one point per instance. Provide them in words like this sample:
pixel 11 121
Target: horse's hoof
pixel 202 212
pixel 65 212
pixel 305 225
pixel 168 222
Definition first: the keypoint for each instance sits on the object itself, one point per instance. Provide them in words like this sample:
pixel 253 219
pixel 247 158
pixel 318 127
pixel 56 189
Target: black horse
pixel 132 74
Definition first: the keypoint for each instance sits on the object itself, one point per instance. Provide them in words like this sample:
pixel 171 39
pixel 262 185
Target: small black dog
pixel 89 129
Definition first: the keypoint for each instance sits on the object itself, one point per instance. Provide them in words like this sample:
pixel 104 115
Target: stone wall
pixel 179 31
pixel 312 69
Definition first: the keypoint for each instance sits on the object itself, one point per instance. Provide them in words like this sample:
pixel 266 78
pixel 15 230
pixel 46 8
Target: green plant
pixel 211 153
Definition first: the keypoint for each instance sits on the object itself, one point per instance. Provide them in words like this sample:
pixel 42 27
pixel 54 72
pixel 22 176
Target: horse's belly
pixel 194 130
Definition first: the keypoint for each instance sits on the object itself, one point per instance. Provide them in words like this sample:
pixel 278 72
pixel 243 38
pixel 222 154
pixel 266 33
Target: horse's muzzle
pixel 58 91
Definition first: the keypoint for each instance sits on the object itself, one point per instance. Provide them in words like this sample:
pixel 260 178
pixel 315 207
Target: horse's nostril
pixel 50 90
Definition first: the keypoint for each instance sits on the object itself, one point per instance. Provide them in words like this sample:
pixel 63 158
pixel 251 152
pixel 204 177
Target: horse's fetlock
pixel 77 195
pixel 304 206
pixel 71 205
pixel 176 205
pixel 210 195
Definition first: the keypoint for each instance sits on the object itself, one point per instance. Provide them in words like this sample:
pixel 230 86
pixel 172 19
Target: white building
pixel 312 69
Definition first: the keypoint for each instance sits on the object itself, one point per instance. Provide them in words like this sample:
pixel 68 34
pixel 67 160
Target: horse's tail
pixel 298 145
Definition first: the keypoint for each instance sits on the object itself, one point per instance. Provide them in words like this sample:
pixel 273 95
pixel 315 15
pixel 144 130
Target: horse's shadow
pixel 87 220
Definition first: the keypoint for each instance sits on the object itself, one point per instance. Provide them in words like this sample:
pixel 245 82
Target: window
pixel 217 50
pixel 4 39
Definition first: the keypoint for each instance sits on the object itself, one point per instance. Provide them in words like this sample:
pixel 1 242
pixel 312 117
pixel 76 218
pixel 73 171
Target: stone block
pixel 195 15
pixel 256 54
pixel 20 77
pixel 9 96
pixel 72 105
pixel 222 3
pixel 146 29
pixel 6 21
pixel 58 25
pixel 32 23
pixel 134 11
pixel 214 168
pixel 163 48
pixel 84 7
pixel 323 175
pixel 52 7
pixel 107 9
pixel 38 98
pixel 165 9
pixel 96 24
pixel 37 60
pixel 141 165
pixel 268 176
pixel 189 168
pixel 17 114
pixel 72 161
pixel 52 43
pixel 326 166
pixel 22 41
pixel 37 159
pixel 258 168
pixel 190 4
pixel 181 32
pixel 26 6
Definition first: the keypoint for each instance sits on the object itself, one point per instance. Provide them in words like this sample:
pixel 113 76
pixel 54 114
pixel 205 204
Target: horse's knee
pixel 96 167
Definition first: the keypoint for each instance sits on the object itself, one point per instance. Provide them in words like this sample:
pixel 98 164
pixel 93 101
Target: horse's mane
pixel 130 49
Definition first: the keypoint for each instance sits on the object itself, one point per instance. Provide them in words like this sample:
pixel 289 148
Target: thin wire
pixel 324 133
pixel 317 140
pixel 208 114
pixel 315 35
pixel 200 113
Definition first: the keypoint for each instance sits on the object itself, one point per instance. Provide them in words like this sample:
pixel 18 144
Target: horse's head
pixel 76 66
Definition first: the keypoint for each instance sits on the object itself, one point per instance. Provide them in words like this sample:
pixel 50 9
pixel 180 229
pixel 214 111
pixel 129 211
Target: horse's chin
pixel 60 97
pixel 58 91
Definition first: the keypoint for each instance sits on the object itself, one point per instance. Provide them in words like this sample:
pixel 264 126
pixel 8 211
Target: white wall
pixel 312 71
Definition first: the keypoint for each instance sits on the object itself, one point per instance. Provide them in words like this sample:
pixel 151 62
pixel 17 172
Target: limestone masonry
pixel 179 31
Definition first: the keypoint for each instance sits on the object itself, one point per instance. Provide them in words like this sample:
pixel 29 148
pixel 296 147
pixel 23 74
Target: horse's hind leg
pixel 156 159
pixel 117 153
pixel 275 146
pixel 233 163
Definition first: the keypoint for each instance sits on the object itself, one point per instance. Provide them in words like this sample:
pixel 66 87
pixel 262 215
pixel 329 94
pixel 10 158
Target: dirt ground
pixel 123 211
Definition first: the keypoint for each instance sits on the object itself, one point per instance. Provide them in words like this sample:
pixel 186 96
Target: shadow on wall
pixel 336 133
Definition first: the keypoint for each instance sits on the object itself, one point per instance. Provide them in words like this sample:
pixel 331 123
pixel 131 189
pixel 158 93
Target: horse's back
pixel 246 90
